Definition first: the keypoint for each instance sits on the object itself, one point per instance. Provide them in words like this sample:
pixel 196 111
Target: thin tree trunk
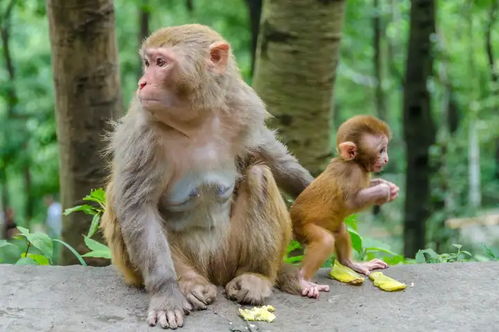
pixel 419 131
pixel 144 18
pixel 295 70
pixel 86 77
pixel 28 189
pixel 255 13
pixel 377 62
pixel 488 41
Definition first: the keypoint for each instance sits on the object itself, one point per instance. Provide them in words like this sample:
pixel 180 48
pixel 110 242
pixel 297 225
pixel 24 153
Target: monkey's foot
pixel 311 289
pixel 367 267
pixel 250 288
pixel 198 292
pixel 168 309
pixel 386 283
pixel 345 274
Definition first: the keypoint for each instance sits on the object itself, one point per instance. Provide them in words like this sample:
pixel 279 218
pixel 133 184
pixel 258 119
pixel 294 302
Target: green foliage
pixel 430 256
pixel 40 248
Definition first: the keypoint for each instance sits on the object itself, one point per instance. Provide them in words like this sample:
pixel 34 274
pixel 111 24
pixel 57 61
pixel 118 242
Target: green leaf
pixel 420 257
pixel 94 245
pixel 5 243
pixel 356 240
pixel 386 251
pixel 85 208
pixel 42 242
pixel 94 225
pixel 73 250
pixel 394 260
pixel 26 261
pixel 39 259
pixel 293 259
pixel 98 196
pixel 24 231
pixel 98 253
pixel 351 221
pixel 458 246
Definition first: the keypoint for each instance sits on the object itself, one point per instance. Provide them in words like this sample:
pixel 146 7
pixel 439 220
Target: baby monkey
pixel 345 187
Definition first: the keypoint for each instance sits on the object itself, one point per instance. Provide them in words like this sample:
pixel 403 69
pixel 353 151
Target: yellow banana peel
pixel 386 283
pixel 263 313
pixel 345 274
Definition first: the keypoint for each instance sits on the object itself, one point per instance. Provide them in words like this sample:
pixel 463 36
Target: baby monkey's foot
pixel 311 289
pixel 367 267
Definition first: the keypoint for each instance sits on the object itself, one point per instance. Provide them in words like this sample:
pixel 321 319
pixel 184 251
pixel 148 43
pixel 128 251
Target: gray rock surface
pixel 442 297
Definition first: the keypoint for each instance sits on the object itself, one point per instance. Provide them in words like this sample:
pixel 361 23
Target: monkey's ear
pixel 348 150
pixel 219 56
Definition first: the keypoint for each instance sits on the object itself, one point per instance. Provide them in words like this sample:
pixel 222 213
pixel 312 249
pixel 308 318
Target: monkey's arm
pixel 394 189
pixel 374 195
pixel 288 173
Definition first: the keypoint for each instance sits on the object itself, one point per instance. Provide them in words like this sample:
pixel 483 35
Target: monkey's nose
pixel 142 84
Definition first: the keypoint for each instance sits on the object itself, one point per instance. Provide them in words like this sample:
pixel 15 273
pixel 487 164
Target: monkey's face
pixel 157 88
pixel 375 149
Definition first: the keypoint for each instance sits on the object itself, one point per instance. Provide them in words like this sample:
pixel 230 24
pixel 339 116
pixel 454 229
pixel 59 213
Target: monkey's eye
pixel 146 62
pixel 383 149
pixel 160 62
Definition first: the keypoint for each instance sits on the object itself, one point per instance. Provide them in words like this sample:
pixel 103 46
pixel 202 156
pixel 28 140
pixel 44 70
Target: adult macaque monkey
pixel 343 188
pixel 192 201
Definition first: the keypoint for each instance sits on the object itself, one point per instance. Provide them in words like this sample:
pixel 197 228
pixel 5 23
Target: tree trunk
pixel 295 70
pixel 378 63
pixel 86 77
pixel 144 18
pixel 488 41
pixel 419 131
pixel 255 12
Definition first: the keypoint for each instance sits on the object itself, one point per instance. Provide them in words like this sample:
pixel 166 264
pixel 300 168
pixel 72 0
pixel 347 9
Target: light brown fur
pixel 345 187
pixel 195 134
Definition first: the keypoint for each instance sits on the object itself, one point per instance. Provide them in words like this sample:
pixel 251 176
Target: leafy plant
pixel 430 256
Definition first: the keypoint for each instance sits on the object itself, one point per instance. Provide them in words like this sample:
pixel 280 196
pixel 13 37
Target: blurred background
pixel 428 68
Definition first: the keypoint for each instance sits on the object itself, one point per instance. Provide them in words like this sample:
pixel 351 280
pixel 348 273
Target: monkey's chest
pixel 199 199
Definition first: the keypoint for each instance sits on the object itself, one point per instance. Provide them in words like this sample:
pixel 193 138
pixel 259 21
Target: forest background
pixel 429 68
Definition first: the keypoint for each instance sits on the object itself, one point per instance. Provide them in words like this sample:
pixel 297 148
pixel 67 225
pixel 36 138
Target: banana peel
pixel 345 274
pixel 386 283
pixel 263 313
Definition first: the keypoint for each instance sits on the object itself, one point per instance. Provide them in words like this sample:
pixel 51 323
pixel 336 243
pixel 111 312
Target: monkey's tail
pixel 288 279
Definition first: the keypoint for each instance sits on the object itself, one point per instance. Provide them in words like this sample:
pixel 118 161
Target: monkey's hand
pixel 198 291
pixel 383 193
pixel 394 189
pixel 249 288
pixel 366 267
pixel 168 309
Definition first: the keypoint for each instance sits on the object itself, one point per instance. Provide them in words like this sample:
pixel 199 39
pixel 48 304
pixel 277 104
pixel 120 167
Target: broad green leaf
pixel 98 253
pixel 42 242
pixel 420 258
pixel 5 243
pixel 85 208
pixel 39 259
pixel 94 225
pixel 24 231
pixel 73 250
pixel 356 240
pixel 26 261
pixel 351 221
pixel 95 246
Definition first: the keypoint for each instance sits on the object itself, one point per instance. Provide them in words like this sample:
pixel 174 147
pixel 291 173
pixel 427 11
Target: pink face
pixel 155 87
pixel 382 155
pixel 378 146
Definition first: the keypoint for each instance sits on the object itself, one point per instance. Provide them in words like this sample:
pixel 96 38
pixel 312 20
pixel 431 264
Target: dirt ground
pixel 440 297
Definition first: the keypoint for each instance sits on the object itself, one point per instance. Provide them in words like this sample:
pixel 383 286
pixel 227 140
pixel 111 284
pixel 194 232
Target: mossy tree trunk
pixel 298 49
pixel 86 78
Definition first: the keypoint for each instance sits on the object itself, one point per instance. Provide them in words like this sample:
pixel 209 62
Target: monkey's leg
pixel 196 288
pixel 114 239
pixel 320 245
pixel 344 253
pixel 260 232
